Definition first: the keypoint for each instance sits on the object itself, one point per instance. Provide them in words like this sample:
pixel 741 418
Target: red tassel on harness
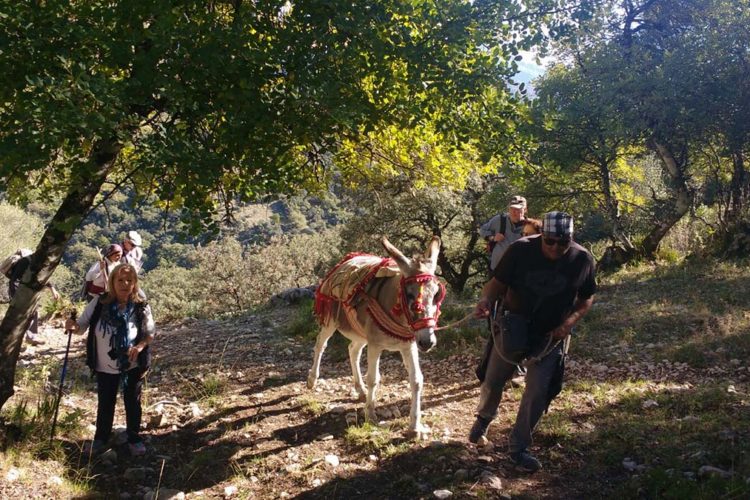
pixel 397 310
pixel 323 307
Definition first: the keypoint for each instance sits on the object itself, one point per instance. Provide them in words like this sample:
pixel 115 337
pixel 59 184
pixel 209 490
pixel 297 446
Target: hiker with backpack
pixel 14 267
pixel 503 229
pixel 97 276
pixel 120 329
pixel 132 252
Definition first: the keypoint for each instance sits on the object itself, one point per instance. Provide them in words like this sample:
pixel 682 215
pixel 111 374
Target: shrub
pixel 228 277
pixel 174 292
pixel 20 229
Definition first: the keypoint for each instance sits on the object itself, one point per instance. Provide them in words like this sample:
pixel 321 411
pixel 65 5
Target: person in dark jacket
pixel 120 329
pixel 14 281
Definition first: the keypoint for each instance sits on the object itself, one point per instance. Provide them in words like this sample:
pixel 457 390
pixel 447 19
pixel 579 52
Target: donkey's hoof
pixel 358 395
pixel 420 432
pixel 311 381
pixel 371 416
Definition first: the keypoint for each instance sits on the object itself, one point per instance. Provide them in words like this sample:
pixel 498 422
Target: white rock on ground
pixel 629 464
pixel 491 481
pixel 711 471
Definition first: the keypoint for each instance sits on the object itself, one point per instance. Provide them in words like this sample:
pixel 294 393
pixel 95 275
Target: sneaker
pixel 137 449
pixel 479 429
pixel 93 447
pixel 525 461
pixel 121 437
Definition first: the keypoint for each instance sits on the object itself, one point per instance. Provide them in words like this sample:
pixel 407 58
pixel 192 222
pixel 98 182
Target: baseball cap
pixel 517 202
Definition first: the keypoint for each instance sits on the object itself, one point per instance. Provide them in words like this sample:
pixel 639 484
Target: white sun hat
pixel 134 238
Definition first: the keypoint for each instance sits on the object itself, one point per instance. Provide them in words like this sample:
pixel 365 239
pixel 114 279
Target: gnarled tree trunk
pixel 457 271
pixel 739 187
pixel 678 204
pixel 46 257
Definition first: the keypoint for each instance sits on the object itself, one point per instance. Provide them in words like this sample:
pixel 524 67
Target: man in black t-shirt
pixel 548 281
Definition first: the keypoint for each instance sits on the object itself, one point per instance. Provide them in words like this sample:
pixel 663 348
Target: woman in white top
pixel 120 329
pixel 98 274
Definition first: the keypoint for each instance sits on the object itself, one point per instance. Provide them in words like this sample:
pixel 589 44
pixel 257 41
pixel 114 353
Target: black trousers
pixel 107 385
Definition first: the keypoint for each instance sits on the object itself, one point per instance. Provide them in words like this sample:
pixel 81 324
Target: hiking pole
pixel 73 316
pixel 103 267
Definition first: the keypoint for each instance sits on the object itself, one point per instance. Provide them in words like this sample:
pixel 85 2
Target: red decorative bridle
pixel 417 307
pixel 386 322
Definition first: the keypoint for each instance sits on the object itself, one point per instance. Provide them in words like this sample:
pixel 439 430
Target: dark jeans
pixel 535 399
pixel 481 370
pixel 107 385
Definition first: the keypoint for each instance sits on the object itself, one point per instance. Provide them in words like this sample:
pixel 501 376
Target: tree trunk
pixel 46 257
pixel 612 206
pixel 458 273
pixel 738 187
pixel 677 205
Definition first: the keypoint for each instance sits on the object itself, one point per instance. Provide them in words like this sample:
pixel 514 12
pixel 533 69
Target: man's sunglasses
pixel 561 242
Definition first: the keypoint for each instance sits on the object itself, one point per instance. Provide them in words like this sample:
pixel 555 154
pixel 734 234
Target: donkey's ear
pixel 431 254
pixel 401 259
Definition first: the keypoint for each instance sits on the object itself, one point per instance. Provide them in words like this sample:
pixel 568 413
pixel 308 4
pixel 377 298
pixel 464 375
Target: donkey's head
pixel 420 291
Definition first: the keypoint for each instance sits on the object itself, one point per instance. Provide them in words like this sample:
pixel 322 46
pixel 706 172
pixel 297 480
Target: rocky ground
pixel 228 415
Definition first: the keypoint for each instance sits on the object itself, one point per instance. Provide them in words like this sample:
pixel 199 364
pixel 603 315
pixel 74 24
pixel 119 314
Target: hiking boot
pixel 525 461
pixel 137 449
pixel 479 429
pixel 94 447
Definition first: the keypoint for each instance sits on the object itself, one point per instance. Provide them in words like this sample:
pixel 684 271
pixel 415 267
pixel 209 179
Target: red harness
pixel 384 320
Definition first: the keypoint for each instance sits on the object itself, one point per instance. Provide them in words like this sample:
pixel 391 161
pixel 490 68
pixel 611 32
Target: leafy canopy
pixel 239 99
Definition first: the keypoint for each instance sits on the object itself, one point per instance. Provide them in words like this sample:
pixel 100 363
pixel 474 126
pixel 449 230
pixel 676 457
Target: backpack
pixel 6 266
pixel 503 225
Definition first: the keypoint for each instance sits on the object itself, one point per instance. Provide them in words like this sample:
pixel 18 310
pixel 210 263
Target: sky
pixel 528 68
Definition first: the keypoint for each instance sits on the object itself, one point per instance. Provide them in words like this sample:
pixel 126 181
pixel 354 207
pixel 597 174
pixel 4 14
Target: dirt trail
pixel 228 415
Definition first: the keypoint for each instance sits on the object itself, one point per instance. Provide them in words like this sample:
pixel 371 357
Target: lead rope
pixel 456 323
pixel 528 361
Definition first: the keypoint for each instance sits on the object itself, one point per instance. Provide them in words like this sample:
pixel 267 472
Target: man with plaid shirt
pixel 548 282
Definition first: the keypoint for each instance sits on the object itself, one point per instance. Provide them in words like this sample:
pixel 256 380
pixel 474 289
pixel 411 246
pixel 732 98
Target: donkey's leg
pixel 410 355
pixel 373 380
pixel 355 354
pixel 320 346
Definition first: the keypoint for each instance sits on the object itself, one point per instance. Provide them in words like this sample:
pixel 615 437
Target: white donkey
pixel 390 304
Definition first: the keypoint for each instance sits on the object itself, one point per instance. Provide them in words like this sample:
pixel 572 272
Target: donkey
pixel 384 304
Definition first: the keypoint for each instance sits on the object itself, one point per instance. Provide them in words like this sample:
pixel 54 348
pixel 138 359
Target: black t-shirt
pixel 541 289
